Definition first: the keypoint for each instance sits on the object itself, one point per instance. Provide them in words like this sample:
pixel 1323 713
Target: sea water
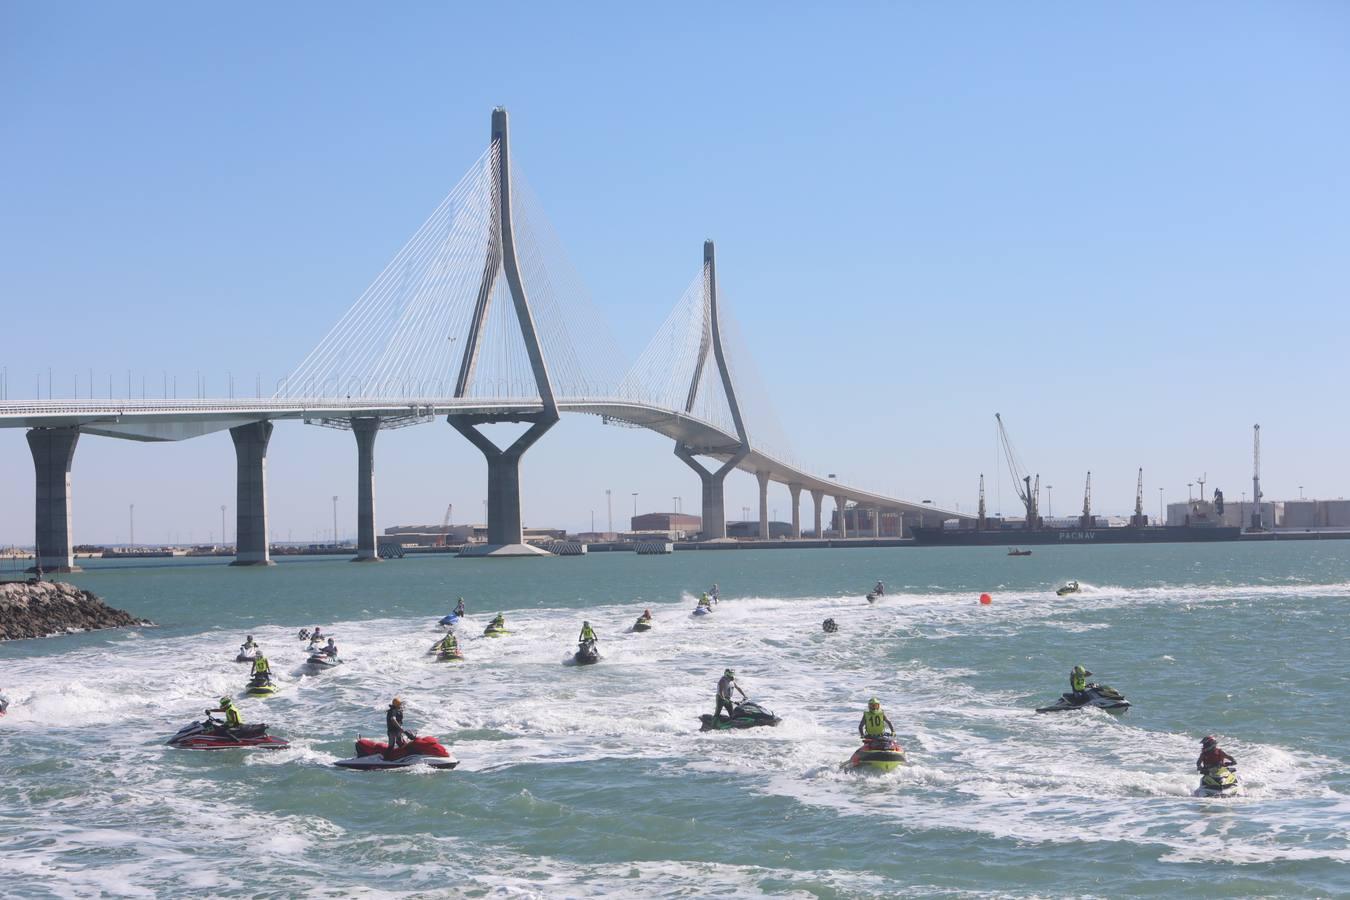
pixel 595 781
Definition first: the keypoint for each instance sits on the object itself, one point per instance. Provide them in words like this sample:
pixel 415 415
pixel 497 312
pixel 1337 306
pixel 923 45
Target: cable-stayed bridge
pixel 480 319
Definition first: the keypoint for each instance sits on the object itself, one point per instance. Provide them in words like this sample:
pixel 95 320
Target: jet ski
pixel 261 686
pixel 830 626
pixel 318 661
pixel 1218 782
pixel 208 735
pixel 703 610
pixel 872 596
pixel 642 624
pixel 455 655
pixel 449 621
pixel 1071 588
pixel 494 630
pixel 748 714
pixel 424 750
pixel 1098 695
pixel 587 653
pixel 4 705
pixel 247 655
pixel 882 754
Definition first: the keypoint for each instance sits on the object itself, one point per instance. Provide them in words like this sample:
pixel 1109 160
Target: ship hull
pixel 1153 534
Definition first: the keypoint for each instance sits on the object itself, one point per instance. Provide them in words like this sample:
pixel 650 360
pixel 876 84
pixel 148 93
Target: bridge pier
pixel 839 504
pixel 763 505
pixel 714 506
pixel 365 429
pixel 876 521
pixel 818 499
pixel 53 451
pixel 506 534
pixel 250 524
pixel 796 491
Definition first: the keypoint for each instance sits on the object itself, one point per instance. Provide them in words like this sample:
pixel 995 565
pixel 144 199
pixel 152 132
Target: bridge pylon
pixel 714 508
pixel 506 535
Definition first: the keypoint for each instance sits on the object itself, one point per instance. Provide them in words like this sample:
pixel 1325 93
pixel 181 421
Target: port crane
pixel 445 524
pixel 1139 520
pixel 1087 520
pixel 1029 495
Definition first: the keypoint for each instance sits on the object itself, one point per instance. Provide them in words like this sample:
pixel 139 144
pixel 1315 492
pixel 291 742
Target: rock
pixel 45 608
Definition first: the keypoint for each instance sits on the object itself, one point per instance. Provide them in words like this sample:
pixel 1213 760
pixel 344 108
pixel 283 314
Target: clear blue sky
pixel 1123 226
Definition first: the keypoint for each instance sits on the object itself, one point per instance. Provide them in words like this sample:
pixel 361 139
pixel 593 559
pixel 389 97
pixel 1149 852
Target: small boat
pixel 1013 551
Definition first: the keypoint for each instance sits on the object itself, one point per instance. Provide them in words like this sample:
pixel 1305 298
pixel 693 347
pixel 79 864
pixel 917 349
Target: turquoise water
pixel 596 782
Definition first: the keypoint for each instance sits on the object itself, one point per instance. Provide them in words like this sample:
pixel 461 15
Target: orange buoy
pixel 986 599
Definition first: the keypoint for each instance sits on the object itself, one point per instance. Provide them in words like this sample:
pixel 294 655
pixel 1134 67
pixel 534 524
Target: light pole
pixel 635 493
pixel 592 521
pixel 223 539
pixel 1300 492
pixel 131 515
pixel 1162 517
pixel 1049 500
pixel 335 539
pixel 1189 498
pixel 609 506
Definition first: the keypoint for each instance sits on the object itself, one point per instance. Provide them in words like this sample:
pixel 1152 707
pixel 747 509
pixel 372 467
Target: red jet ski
pixel 209 735
pixel 424 750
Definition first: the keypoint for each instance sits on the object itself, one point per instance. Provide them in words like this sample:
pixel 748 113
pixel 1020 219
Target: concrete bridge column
pixel 876 521
pixel 796 491
pixel 714 507
pixel 365 430
pixel 53 451
pixel 250 524
pixel 763 505
pixel 506 533
pixel 818 498
pixel 841 505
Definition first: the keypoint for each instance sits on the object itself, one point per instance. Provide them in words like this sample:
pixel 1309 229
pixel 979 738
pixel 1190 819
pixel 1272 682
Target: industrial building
pixel 1301 515
pixel 676 524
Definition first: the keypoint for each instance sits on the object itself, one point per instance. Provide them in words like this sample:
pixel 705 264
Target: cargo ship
pixel 1202 521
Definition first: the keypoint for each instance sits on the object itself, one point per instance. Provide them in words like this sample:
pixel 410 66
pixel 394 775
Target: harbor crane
pixel 1029 495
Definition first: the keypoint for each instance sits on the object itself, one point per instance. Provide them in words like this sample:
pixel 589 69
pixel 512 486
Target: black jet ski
pixel 748 714
pixel 1218 782
pixel 318 661
pixel 830 626
pixel 587 654
pixel 872 596
pixel 261 686
pixel 642 624
pixel 211 735
pixel 881 754
pixel 1099 695
pixel 424 750
pixel 1071 588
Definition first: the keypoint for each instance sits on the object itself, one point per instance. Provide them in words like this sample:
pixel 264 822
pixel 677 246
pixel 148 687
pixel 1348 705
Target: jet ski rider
pixel 232 718
pixel 262 669
pixel 393 725
pixel 459 608
pixel 330 650
pixel 1078 682
pixel 1211 756
pixel 725 685
pixel 704 602
pixel 714 593
pixel 499 621
pixel 448 644
pixel 874 722
pixel 646 616
pixel 587 633
pixel 879 589
pixel 248 645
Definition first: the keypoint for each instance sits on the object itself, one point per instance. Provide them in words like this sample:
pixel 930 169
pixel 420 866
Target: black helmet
pixel 1208 741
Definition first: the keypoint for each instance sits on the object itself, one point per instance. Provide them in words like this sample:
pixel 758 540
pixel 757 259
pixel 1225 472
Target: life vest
pixel 232 719
pixel 874 723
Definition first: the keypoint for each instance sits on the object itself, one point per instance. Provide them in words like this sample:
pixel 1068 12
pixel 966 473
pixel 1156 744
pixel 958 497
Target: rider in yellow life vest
pixel 448 644
pixel 1078 680
pixel 261 666
pixel 587 633
pixel 232 718
pixel 705 602
pixel 874 722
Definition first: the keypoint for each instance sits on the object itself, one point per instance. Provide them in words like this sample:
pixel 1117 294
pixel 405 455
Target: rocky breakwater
pixel 45 608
